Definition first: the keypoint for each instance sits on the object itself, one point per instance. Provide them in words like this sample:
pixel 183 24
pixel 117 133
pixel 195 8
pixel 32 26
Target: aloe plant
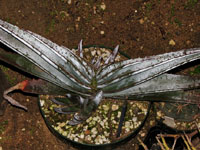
pixel 84 83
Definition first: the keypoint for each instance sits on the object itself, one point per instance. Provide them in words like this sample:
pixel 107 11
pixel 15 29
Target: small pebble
pixel 98 52
pixel 118 114
pixel 115 107
pixel 69 2
pixel 62 124
pixel 42 103
pixel 78 19
pixel 102 32
pixel 159 114
pixel 134 119
pixel 93 53
pixel 127 124
pixel 142 134
pixel 127 130
pixel 188 42
pixel 103 6
pixel 105 107
pixel 141 21
pixel 172 42
pixel 76 25
pixel 82 136
pixel 76 139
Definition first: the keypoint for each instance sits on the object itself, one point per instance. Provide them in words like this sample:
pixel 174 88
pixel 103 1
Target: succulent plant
pixel 84 83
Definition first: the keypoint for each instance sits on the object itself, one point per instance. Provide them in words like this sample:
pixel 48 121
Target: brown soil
pixel 140 27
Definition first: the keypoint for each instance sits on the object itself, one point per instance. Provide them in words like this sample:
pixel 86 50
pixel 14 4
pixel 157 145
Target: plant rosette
pixel 102 127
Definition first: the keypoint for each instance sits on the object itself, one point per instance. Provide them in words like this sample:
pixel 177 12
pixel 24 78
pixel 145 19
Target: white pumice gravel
pixel 115 107
pixel 96 129
pixel 101 127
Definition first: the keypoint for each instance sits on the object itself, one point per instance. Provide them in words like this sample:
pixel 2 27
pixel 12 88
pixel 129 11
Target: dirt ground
pixel 140 27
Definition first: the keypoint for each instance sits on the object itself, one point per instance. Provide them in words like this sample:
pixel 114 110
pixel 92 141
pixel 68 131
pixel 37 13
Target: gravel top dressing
pixel 101 127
